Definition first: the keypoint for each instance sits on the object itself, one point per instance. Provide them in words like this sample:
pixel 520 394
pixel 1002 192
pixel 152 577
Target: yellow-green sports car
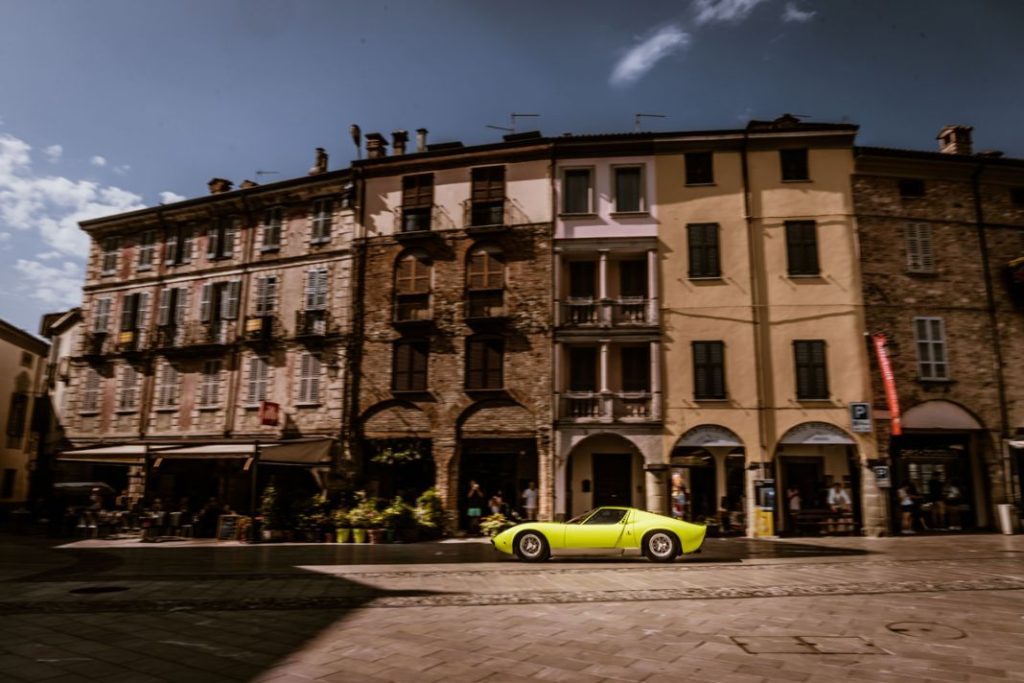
pixel 603 529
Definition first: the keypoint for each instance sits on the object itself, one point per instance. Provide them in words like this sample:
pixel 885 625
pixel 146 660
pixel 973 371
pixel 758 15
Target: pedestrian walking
pixel 531 498
pixel 793 504
pixel 474 506
pixel 906 509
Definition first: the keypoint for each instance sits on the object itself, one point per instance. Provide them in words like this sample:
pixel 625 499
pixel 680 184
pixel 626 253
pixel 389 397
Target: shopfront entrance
pixel 707 482
pixel 501 467
pixel 613 478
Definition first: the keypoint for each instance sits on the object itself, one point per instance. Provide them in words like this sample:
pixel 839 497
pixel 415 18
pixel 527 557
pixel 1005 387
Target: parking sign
pixel 860 417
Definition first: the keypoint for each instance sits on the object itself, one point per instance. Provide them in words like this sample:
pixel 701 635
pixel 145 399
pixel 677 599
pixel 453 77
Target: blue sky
pixel 111 105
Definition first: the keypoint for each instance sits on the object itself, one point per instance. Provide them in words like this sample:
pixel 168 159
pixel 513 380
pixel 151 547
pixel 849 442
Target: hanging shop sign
pixel 889 382
pixel 270 413
pixel 882 478
pixel 860 417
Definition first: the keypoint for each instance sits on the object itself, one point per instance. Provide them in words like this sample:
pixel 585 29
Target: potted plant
pixel 342 526
pixel 272 514
pixel 398 520
pixel 363 517
pixel 494 524
pixel 429 514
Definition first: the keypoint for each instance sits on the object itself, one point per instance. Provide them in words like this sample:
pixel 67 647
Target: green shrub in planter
pixel 429 513
pixel 494 524
pixel 342 526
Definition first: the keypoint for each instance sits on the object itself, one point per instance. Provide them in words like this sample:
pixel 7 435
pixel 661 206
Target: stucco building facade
pixel 22 386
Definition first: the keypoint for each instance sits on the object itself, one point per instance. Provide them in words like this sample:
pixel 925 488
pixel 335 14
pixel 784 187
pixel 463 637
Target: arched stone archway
pixel 707 477
pixel 604 468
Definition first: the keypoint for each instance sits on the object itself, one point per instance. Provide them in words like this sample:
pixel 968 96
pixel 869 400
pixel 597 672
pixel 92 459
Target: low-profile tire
pixel 531 546
pixel 661 546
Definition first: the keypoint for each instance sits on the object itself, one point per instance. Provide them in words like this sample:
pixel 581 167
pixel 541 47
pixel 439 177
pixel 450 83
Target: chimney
pixel 320 165
pixel 399 139
pixel 246 184
pixel 376 146
pixel 218 185
pixel 955 140
pixel 421 139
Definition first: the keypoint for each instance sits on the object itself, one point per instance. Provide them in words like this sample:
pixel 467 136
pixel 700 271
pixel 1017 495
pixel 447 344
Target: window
pixel 802 248
pixel 91 390
pixel 26 359
pixel 128 389
pixel 636 368
pixel 582 279
pixel 911 188
pixel 316 289
pixel 930 335
pixel 708 370
pixel 209 384
pixel 133 311
pixel 10 476
pixel 1017 197
pixel 16 419
pixel 417 201
pixel 167 387
pixel 266 295
pixel 699 168
pixel 219 301
pixel 179 245
pixel 633 279
pixel 582 368
pixel 702 243
pixel 309 378
pixel 259 372
pixel 794 164
pixel 629 189
pixel 273 219
pixel 606 516
pixel 220 239
pixel 577 190
pixel 920 256
pixel 412 287
pixel 811 371
pixel 147 249
pixel 101 318
pixel 488 196
pixel 173 307
pixel 110 249
pixel 484 361
pixel 323 216
pixel 485 282
pixel 409 368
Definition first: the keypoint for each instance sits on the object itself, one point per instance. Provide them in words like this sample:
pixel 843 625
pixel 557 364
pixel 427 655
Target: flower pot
pixel 359 535
pixel 377 535
pixel 343 535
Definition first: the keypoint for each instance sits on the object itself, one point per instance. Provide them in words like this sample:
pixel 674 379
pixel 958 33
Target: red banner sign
pixel 889 381
pixel 269 413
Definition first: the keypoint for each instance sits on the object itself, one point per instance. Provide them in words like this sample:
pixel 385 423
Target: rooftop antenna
pixel 637 117
pixel 512 120
pixel 262 173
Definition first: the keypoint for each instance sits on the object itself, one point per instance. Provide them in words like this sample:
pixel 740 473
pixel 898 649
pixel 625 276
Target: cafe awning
pixel 303 452
pixel 118 454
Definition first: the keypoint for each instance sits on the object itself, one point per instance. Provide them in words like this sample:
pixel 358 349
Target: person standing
pixel 951 492
pixel 906 509
pixel 793 505
pixel 840 505
pixel 474 506
pixel 531 497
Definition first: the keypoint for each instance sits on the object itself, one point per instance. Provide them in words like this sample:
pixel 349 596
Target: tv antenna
pixel 511 128
pixel 263 173
pixel 637 117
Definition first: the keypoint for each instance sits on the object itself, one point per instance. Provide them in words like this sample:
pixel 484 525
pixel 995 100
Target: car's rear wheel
pixel 531 546
pixel 661 546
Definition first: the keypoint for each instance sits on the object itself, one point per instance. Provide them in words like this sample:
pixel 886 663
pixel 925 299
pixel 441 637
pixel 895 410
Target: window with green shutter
pixel 708 370
pixel 811 370
pixel 702 247
pixel 802 248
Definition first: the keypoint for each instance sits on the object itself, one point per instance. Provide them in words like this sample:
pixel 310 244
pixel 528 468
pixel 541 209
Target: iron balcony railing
pixel 624 312
pixel 608 406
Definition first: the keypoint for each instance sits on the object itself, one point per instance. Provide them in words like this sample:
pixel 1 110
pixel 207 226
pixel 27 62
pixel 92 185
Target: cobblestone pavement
pixel 906 609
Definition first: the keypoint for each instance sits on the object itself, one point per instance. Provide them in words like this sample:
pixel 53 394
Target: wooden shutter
pixel 576 189
pixel 476 360
pixel 309 379
pixel 802 247
pixel 229 300
pixel 213 239
pixel 418 191
pixel 812 377
pixel 702 241
pixel 628 189
pixel 181 305
pixel 172 247
pixel 141 310
pixel 206 304
pixel 708 370
pixel 166 302
pixel 488 184
pixel 412 275
pixel 486 270
pixel 228 248
pixel 920 254
pixel 128 304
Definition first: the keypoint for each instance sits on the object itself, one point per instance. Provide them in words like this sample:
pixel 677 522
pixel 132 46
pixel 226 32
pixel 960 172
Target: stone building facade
pixel 939 234
pixel 198 313
pixel 454 321
pixel 22 415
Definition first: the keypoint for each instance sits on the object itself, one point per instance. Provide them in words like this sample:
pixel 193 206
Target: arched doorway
pixel 707 477
pixel 941 452
pixel 604 469
pixel 818 474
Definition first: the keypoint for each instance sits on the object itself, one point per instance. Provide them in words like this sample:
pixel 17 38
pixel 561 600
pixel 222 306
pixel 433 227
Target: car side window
pixel 606 517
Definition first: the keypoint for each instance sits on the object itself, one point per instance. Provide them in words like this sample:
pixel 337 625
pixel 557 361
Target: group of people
pixel 128 514
pixel 939 508
pixel 840 509
pixel 496 504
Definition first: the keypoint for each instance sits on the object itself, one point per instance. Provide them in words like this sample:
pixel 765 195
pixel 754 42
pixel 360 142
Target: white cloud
pixel 58 286
pixel 715 11
pixel 168 197
pixel 53 205
pixel 122 169
pixel 54 153
pixel 642 58
pixel 48 255
pixel 792 13
pixel 98 161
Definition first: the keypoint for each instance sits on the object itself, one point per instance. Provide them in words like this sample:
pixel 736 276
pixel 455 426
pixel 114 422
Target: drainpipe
pixel 555 364
pixel 235 377
pixel 993 324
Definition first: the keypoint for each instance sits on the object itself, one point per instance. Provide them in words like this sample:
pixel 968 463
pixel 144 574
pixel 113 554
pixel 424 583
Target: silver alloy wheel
pixel 661 546
pixel 530 546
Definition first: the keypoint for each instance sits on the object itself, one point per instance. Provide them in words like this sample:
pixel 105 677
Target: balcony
pixel 627 312
pixel 414 223
pixel 212 334
pixel 412 311
pixel 607 407
pixel 486 216
pixel 130 341
pixel 312 325
pixel 485 308
pixel 169 337
pixel 96 344
pixel 259 329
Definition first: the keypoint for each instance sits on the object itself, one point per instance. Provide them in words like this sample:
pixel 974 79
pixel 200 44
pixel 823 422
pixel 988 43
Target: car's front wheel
pixel 531 546
pixel 661 546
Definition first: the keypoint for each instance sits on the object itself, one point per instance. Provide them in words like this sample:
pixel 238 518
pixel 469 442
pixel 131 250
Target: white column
pixel 556 383
pixel 652 285
pixel 655 380
pixel 603 369
pixel 557 272
pixel 602 274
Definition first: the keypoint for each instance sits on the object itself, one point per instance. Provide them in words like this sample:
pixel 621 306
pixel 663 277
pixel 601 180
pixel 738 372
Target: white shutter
pixel 311 284
pixel 101 321
pixel 321 288
pixel 206 303
pixel 271 294
pixel 229 300
pixel 181 312
pixel 309 379
pixel 316 289
pixel 163 318
pixel 251 389
pixel 261 294
pixel 141 310
pixel 185 243
pixel 172 248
